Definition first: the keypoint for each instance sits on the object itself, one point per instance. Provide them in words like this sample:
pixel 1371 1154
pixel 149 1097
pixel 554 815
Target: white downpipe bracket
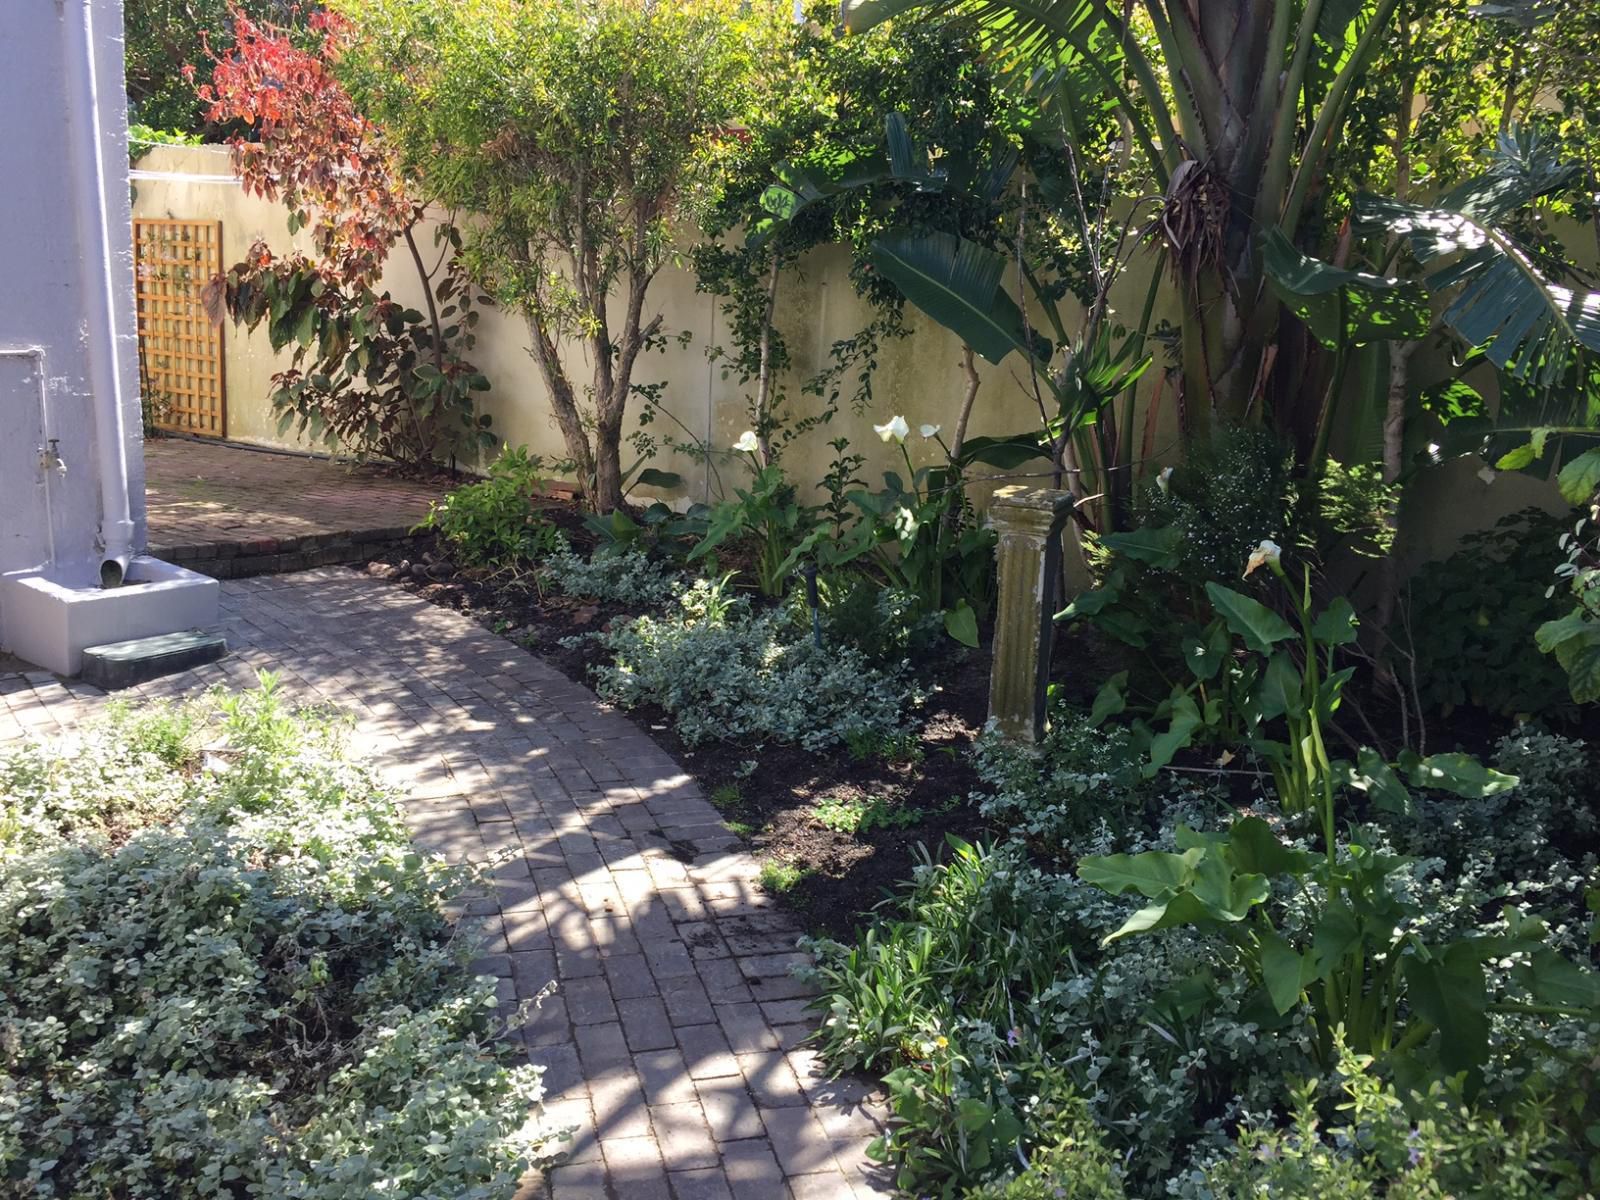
pixel 100 290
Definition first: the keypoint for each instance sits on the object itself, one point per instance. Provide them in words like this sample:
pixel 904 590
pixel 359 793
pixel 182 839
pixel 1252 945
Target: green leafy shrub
pixel 1226 499
pixel 768 516
pixel 1429 1147
pixel 625 576
pixel 883 625
pixel 858 816
pixel 992 988
pixel 104 782
pixel 1516 843
pixel 494 522
pixel 1073 1165
pixel 1473 617
pixel 1080 782
pixel 247 986
pixel 727 673
pixel 981 999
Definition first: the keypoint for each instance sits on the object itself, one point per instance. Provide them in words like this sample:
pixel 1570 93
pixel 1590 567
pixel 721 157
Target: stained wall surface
pixel 45 342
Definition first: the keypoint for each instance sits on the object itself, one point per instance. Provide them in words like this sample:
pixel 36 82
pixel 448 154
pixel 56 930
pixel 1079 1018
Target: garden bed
pixel 830 877
pixel 227 972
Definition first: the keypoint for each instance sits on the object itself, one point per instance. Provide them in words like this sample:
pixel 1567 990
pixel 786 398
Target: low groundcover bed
pixel 225 972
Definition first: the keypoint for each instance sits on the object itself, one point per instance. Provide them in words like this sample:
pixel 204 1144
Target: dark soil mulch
pixel 844 876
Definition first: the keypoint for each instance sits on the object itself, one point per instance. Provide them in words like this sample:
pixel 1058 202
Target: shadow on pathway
pixel 673 1038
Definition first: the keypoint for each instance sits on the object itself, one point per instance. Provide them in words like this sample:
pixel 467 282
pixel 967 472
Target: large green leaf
pixel 1281 690
pixel 1553 979
pixel 1461 774
pixel 1178 734
pixel 1254 848
pixel 1337 625
pixel 1448 992
pixel 1228 895
pixel 1205 650
pixel 1283 971
pixel 1579 480
pixel 1258 625
pixel 1109 700
pixel 1377 779
pixel 958 283
pixel 1155 873
pixel 1006 453
pixel 961 623
pixel 1575 641
pixel 1147 544
pixel 1343 307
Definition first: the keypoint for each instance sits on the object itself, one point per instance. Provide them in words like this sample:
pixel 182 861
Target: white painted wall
pixel 44 287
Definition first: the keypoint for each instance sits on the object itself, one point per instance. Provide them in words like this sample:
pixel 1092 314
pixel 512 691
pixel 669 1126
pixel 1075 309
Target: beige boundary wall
pixel 918 377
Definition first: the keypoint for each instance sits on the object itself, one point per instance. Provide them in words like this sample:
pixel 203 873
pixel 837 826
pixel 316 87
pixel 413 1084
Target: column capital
pixel 1036 510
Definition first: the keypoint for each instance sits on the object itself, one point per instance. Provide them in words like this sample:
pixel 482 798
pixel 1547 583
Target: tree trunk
pixel 608 494
pixel 970 369
pixel 764 377
pixel 1394 426
pixel 562 399
pixel 613 385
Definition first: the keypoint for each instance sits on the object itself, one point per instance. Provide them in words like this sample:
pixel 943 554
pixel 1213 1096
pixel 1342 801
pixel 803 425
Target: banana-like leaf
pixel 1343 307
pixel 1006 453
pixel 960 284
pixel 1529 324
pixel 1525 14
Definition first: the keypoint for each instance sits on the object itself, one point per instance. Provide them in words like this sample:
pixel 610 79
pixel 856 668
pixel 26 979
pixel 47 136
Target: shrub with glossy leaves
pixel 495 522
pixel 1430 1147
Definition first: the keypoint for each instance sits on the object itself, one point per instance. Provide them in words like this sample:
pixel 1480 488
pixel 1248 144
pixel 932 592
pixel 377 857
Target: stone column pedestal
pixel 1028 522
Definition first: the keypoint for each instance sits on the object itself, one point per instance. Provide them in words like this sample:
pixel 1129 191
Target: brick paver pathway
pixel 673 1040
pixel 199 493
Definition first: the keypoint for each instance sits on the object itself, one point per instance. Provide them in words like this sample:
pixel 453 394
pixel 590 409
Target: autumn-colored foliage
pixel 307 145
pixel 370 375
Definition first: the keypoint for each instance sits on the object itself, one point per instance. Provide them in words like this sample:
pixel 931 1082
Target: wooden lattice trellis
pixel 180 350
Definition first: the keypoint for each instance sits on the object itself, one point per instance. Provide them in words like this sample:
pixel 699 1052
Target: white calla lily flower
pixel 1266 554
pixel 930 431
pixel 748 442
pixel 1164 480
pixel 896 430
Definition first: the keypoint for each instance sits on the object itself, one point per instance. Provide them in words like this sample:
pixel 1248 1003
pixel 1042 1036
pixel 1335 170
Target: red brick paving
pixel 201 493
pixel 673 1039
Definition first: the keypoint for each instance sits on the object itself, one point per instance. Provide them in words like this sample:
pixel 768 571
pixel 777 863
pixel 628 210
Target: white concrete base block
pixel 48 617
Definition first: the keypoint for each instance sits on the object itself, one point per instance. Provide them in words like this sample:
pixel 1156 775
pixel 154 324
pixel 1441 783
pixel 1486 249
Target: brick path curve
pixel 673 1039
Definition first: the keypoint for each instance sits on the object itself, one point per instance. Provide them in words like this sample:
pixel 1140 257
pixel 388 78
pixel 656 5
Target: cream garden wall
pixel 918 377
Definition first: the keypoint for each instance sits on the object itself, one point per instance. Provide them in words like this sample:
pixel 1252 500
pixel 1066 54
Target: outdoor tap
pixel 50 457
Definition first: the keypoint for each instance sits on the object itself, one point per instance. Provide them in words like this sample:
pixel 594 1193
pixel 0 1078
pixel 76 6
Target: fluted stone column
pixel 1028 522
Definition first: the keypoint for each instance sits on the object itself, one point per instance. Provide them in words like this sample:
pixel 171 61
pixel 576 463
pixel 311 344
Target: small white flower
pixel 1264 554
pixel 895 430
pixel 930 431
pixel 1164 480
pixel 748 442
pixel 1486 474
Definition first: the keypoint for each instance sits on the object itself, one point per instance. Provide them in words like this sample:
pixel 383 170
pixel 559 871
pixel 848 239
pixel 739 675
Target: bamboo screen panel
pixel 180 350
